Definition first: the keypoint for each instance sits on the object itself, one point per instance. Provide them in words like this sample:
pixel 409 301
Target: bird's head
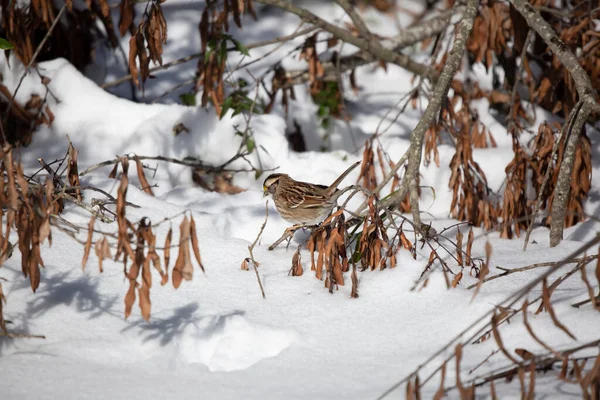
pixel 270 184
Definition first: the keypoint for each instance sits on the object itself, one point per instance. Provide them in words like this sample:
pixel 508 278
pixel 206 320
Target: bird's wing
pixel 305 198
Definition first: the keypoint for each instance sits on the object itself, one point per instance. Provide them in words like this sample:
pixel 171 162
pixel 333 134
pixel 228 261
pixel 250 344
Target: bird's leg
pixel 287 234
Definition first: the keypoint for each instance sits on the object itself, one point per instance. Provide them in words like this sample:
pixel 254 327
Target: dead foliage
pixel 377 159
pixel 329 242
pixel 73 37
pixel 281 82
pixel 137 244
pixel 472 200
pixel 146 43
pixel 27 208
pixel 213 26
pixel 499 40
pixel 515 207
pixel 540 162
pixel 296 269
pixel 581 180
pixel 23 119
pixel 222 181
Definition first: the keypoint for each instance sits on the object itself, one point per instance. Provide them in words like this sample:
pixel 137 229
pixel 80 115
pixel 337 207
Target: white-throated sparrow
pixel 303 203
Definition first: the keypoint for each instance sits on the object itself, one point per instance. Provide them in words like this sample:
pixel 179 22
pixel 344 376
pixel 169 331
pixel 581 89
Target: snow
pixel 216 335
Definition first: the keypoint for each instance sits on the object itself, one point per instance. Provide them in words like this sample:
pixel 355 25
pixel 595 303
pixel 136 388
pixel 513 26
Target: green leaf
pixel 188 99
pixel 250 145
pixel 257 174
pixel 222 55
pixel 240 47
pixel 6 45
pixel 227 104
pixel 207 56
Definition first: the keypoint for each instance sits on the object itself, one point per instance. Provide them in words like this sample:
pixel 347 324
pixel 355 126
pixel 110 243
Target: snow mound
pixel 231 342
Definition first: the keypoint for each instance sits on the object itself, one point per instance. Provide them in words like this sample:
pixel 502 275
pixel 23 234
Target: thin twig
pixel 201 55
pixel 186 162
pixel 506 271
pixel 251 247
pixel 21 335
pixel 510 301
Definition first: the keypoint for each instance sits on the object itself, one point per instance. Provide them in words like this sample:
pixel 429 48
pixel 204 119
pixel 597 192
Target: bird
pixel 303 203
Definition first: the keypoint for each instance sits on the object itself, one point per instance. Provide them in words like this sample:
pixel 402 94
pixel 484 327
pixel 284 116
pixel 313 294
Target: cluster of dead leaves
pixel 23 120
pixel 515 207
pixel 281 81
pixel 152 30
pixel 25 25
pixel 542 165
pixel 491 32
pixel 377 158
pixel 213 24
pixel 27 209
pixel 472 200
pixel 138 245
pixel 329 241
pixel 373 243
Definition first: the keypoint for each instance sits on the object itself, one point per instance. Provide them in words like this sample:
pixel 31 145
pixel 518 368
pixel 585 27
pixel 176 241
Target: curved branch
pixel 580 113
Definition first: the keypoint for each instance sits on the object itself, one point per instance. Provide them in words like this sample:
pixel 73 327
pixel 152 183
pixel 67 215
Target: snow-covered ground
pixel 216 336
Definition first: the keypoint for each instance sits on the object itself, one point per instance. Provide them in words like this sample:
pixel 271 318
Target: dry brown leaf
pixel 498 339
pixel 145 304
pixel 244 265
pixel 441 392
pixel 485 270
pixel 457 279
pixel 88 243
pixel 167 250
pixel 126 14
pixel 548 306
pixel 142 176
pixel 130 298
pixel 195 247
pixel 183 267
pixel 459 254
pixel 73 171
pixel 296 269
pixel 525 354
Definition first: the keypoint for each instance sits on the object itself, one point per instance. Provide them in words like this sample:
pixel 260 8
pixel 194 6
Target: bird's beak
pixel 265 192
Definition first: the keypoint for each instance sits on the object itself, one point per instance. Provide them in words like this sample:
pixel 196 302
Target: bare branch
pixel 410 181
pixel 371 46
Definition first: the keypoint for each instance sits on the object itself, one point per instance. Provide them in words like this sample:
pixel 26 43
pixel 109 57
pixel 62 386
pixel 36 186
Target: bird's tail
pixel 339 180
